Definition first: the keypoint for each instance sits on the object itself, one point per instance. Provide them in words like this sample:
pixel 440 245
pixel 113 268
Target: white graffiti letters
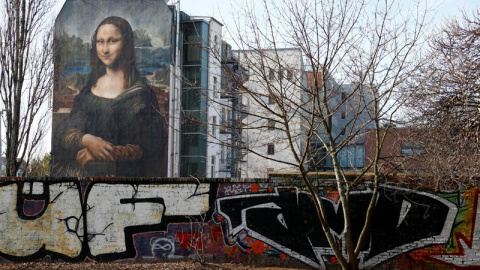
pixel 136 205
pixel 54 228
pixel 36 216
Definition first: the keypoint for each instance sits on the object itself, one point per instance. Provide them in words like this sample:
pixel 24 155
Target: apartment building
pixel 265 144
pixel 207 110
pixel 349 121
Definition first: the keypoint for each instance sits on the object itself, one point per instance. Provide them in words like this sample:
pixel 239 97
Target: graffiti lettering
pixel 469 250
pixel 136 205
pixel 39 217
pixel 72 220
pixel 285 221
pixel 53 229
pixel 236 189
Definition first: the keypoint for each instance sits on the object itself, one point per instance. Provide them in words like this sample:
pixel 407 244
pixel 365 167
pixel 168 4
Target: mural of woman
pixel 114 127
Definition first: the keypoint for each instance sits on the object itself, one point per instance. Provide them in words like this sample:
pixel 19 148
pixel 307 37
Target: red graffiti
pixel 467 246
pixel 333 195
pixel 258 247
pixel 191 241
pixel 233 251
pixel 255 188
pixel 217 234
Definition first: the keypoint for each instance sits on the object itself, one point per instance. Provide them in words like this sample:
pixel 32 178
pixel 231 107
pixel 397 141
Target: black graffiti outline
pixel 42 252
pixel 75 183
pixel 243 226
pixel 131 231
pixel 320 252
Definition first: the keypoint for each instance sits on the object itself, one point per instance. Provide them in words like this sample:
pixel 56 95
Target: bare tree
pixel 360 53
pixel 40 166
pixel 446 104
pixel 25 77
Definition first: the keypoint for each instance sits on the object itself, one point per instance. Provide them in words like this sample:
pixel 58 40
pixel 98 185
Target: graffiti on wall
pixel 23 234
pixel 467 239
pixel 72 220
pixel 402 220
pixel 104 224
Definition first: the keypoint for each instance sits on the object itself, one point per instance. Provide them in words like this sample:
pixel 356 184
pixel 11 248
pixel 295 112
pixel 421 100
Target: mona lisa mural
pixel 110 101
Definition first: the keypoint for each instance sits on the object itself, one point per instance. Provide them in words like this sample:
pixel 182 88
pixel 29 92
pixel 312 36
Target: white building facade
pixel 276 82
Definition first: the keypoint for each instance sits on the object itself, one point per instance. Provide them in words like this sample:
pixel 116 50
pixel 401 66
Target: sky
pixel 448 8
pixel 223 10
pixel 216 8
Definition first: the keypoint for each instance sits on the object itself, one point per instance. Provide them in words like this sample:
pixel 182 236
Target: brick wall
pixel 391 157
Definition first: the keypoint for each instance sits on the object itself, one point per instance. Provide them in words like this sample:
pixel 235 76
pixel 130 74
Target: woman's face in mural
pixel 109 44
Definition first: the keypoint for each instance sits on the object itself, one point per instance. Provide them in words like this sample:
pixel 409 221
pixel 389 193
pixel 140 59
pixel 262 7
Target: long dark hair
pixel 126 61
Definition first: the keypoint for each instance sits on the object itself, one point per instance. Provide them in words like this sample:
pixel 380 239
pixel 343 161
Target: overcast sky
pixel 443 9
pixel 216 7
pixel 222 10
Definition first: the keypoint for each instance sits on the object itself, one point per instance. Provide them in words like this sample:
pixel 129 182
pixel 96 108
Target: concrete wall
pixel 249 222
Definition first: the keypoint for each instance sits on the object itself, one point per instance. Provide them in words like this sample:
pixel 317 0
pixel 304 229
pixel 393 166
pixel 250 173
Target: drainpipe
pixel 174 110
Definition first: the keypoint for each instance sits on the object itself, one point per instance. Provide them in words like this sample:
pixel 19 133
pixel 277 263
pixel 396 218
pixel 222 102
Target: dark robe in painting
pixel 132 118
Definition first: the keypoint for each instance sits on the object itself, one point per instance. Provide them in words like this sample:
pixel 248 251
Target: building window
pixel 215 45
pixel 229 155
pixel 224 81
pixel 411 147
pixel 344 115
pixel 344 96
pixel 223 126
pixel 270 149
pixel 192 32
pixel 343 131
pixel 214 126
pixel 192 76
pixel 222 154
pixel 193 53
pixel 352 156
pixel 280 73
pixel 271 74
pixel 192 43
pixel 191 121
pixel 215 82
pixel 289 75
pixel 271 124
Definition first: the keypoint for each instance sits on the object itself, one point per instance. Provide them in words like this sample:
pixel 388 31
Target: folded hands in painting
pixel 97 148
